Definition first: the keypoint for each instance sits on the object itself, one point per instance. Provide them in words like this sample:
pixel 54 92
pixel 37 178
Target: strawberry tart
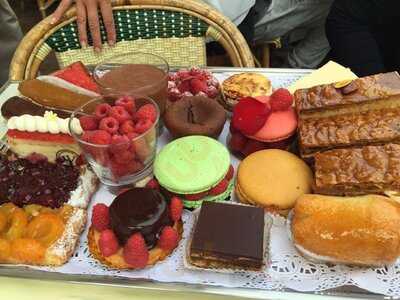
pixel 264 122
pixel 137 230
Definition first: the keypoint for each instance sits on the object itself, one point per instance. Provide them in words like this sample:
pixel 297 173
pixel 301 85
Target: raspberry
pixel 108 243
pixel 175 208
pixel 281 99
pixel 132 135
pixel 135 251
pixel 212 92
pixel 252 146
pixel 183 74
pixel 147 111
pixel 100 137
pixel 143 151
pixel 127 127
pixel 232 128
pixel 171 85
pixel 195 71
pixel 86 135
pixel 197 86
pixel 100 217
pixel 230 173
pixel 122 169
pixel 237 142
pixel 119 113
pixel 143 125
pixel 88 122
pixel 119 143
pixel 169 238
pixel 109 124
pixel 124 157
pixel 128 103
pixel 153 184
pixel 174 95
pixel 184 86
pixel 101 111
pixel 249 115
pixel 219 188
pixel 195 197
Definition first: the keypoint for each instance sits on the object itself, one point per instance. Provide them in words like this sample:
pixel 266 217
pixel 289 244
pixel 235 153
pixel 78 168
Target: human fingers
pixel 94 26
pixel 61 9
pixel 108 20
pixel 81 19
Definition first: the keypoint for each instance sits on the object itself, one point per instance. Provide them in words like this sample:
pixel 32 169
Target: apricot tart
pixel 38 235
pixel 138 229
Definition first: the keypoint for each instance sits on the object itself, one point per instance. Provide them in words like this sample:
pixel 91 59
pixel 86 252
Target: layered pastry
pixel 242 85
pixel 35 180
pixel 195 168
pixel 356 171
pixel 195 115
pixel 48 135
pixel 361 230
pixel 228 236
pixel 37 235
pixel 273 179
pixel 263 123
pixel 138 229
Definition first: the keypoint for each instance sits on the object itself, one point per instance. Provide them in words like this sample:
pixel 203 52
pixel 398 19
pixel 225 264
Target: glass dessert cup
pixel 135 73
pixel 123 163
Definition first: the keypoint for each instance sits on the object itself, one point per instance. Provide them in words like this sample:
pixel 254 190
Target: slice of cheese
pixel 328 73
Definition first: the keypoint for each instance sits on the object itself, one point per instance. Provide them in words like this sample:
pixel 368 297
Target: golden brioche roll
pixel 363 230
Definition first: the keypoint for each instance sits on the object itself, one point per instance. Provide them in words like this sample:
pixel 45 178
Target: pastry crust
pixel 360 230
pixel 117 261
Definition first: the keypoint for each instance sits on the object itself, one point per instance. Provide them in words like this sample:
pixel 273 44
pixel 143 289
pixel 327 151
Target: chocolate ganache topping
pixel 141 210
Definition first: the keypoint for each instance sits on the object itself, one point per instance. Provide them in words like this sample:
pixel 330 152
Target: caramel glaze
pixel 139 210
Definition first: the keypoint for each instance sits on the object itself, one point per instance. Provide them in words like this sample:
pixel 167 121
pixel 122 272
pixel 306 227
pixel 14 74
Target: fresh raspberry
pixel 101 111
pixel 143 125
pixel 135 251
pixel 184 86
pixel 175 208
pixel 153 184
pixel 195 71
pixel 109 124
pixel 119 143
pixel 128 103
pixel 169 238
pixel 108 243
pixel 171 85
pixel 212 92
pixel 197 86
pixel 281 99
pixel 213 82
pixel 249 115
pixel 101 156
pixel 173 77
pixel 87 135
pixel 219 188
pixel 237 142
pixel 147 111
pixel 183 74
pixel 232 128
pixel 122 169
pixel 174 94
pixel 127 127
pixel 124 156
pixel 120 114
pixel 252 146
pixel 230 173
pixel 195 197
pixel 132 135
pixel 142 149
pixel 100 217
pixel 88 122
pixel 100 137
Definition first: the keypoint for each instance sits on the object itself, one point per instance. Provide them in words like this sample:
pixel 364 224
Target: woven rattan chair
pixel 175 30
pixel 44 5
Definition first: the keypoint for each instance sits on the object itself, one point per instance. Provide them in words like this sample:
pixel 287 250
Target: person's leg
pixel 10 36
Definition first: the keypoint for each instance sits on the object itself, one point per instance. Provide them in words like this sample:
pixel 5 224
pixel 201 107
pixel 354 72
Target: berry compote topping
pixel 37 181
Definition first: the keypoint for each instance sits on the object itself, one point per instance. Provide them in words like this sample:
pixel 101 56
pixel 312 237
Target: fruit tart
pixel 137 230
pixel 38 235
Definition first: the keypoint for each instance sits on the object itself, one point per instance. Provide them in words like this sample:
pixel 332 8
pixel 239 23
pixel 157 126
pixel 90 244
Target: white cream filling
pixel 81 195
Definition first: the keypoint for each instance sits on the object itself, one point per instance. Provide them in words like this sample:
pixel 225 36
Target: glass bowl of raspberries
pixel 119 137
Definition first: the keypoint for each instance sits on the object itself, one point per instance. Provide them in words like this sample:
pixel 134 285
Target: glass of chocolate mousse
pixel 118 137
pixel 136 73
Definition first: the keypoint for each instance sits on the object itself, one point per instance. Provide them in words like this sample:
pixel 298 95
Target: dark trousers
pixel 364 35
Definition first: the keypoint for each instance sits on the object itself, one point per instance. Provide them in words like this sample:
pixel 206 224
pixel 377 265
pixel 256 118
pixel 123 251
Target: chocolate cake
pixel 228 236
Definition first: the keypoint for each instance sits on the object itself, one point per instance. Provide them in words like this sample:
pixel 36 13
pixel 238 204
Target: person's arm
pixel 88 12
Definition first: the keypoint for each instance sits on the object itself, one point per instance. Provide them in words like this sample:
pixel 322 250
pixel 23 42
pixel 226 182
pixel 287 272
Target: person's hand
pixel 87 12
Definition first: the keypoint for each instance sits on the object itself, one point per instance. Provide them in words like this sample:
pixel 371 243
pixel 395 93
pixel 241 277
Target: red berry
pixel 119 143
pixel 143 125
pixel 230 173
pixel 100 217
pixel 184 74
pixel 169 239
pixel 100 137
pixel 153 184
pixel 281 99
pixel 174 95
pixel 142 149
pixel 119 113
pixel 135 251
pixel 127 127
pixel 184 86
pixel 147 111
pixel 123 157
pixel 249 115
pixel 132 135
pixel 101 111
pixel 175 208
pixel 219 188
pixel 237 142
pixel 232 128
pixel 128 103
pixel 119 169
pixel 88 122
pixel 195 197
pixel 108 243
pixel 197 86
pixel 212 92
pixel 252 146
pixel 86 135
pixel 109 124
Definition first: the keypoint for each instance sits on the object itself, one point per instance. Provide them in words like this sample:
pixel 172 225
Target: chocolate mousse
pixel 196 115
pixel 139 210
